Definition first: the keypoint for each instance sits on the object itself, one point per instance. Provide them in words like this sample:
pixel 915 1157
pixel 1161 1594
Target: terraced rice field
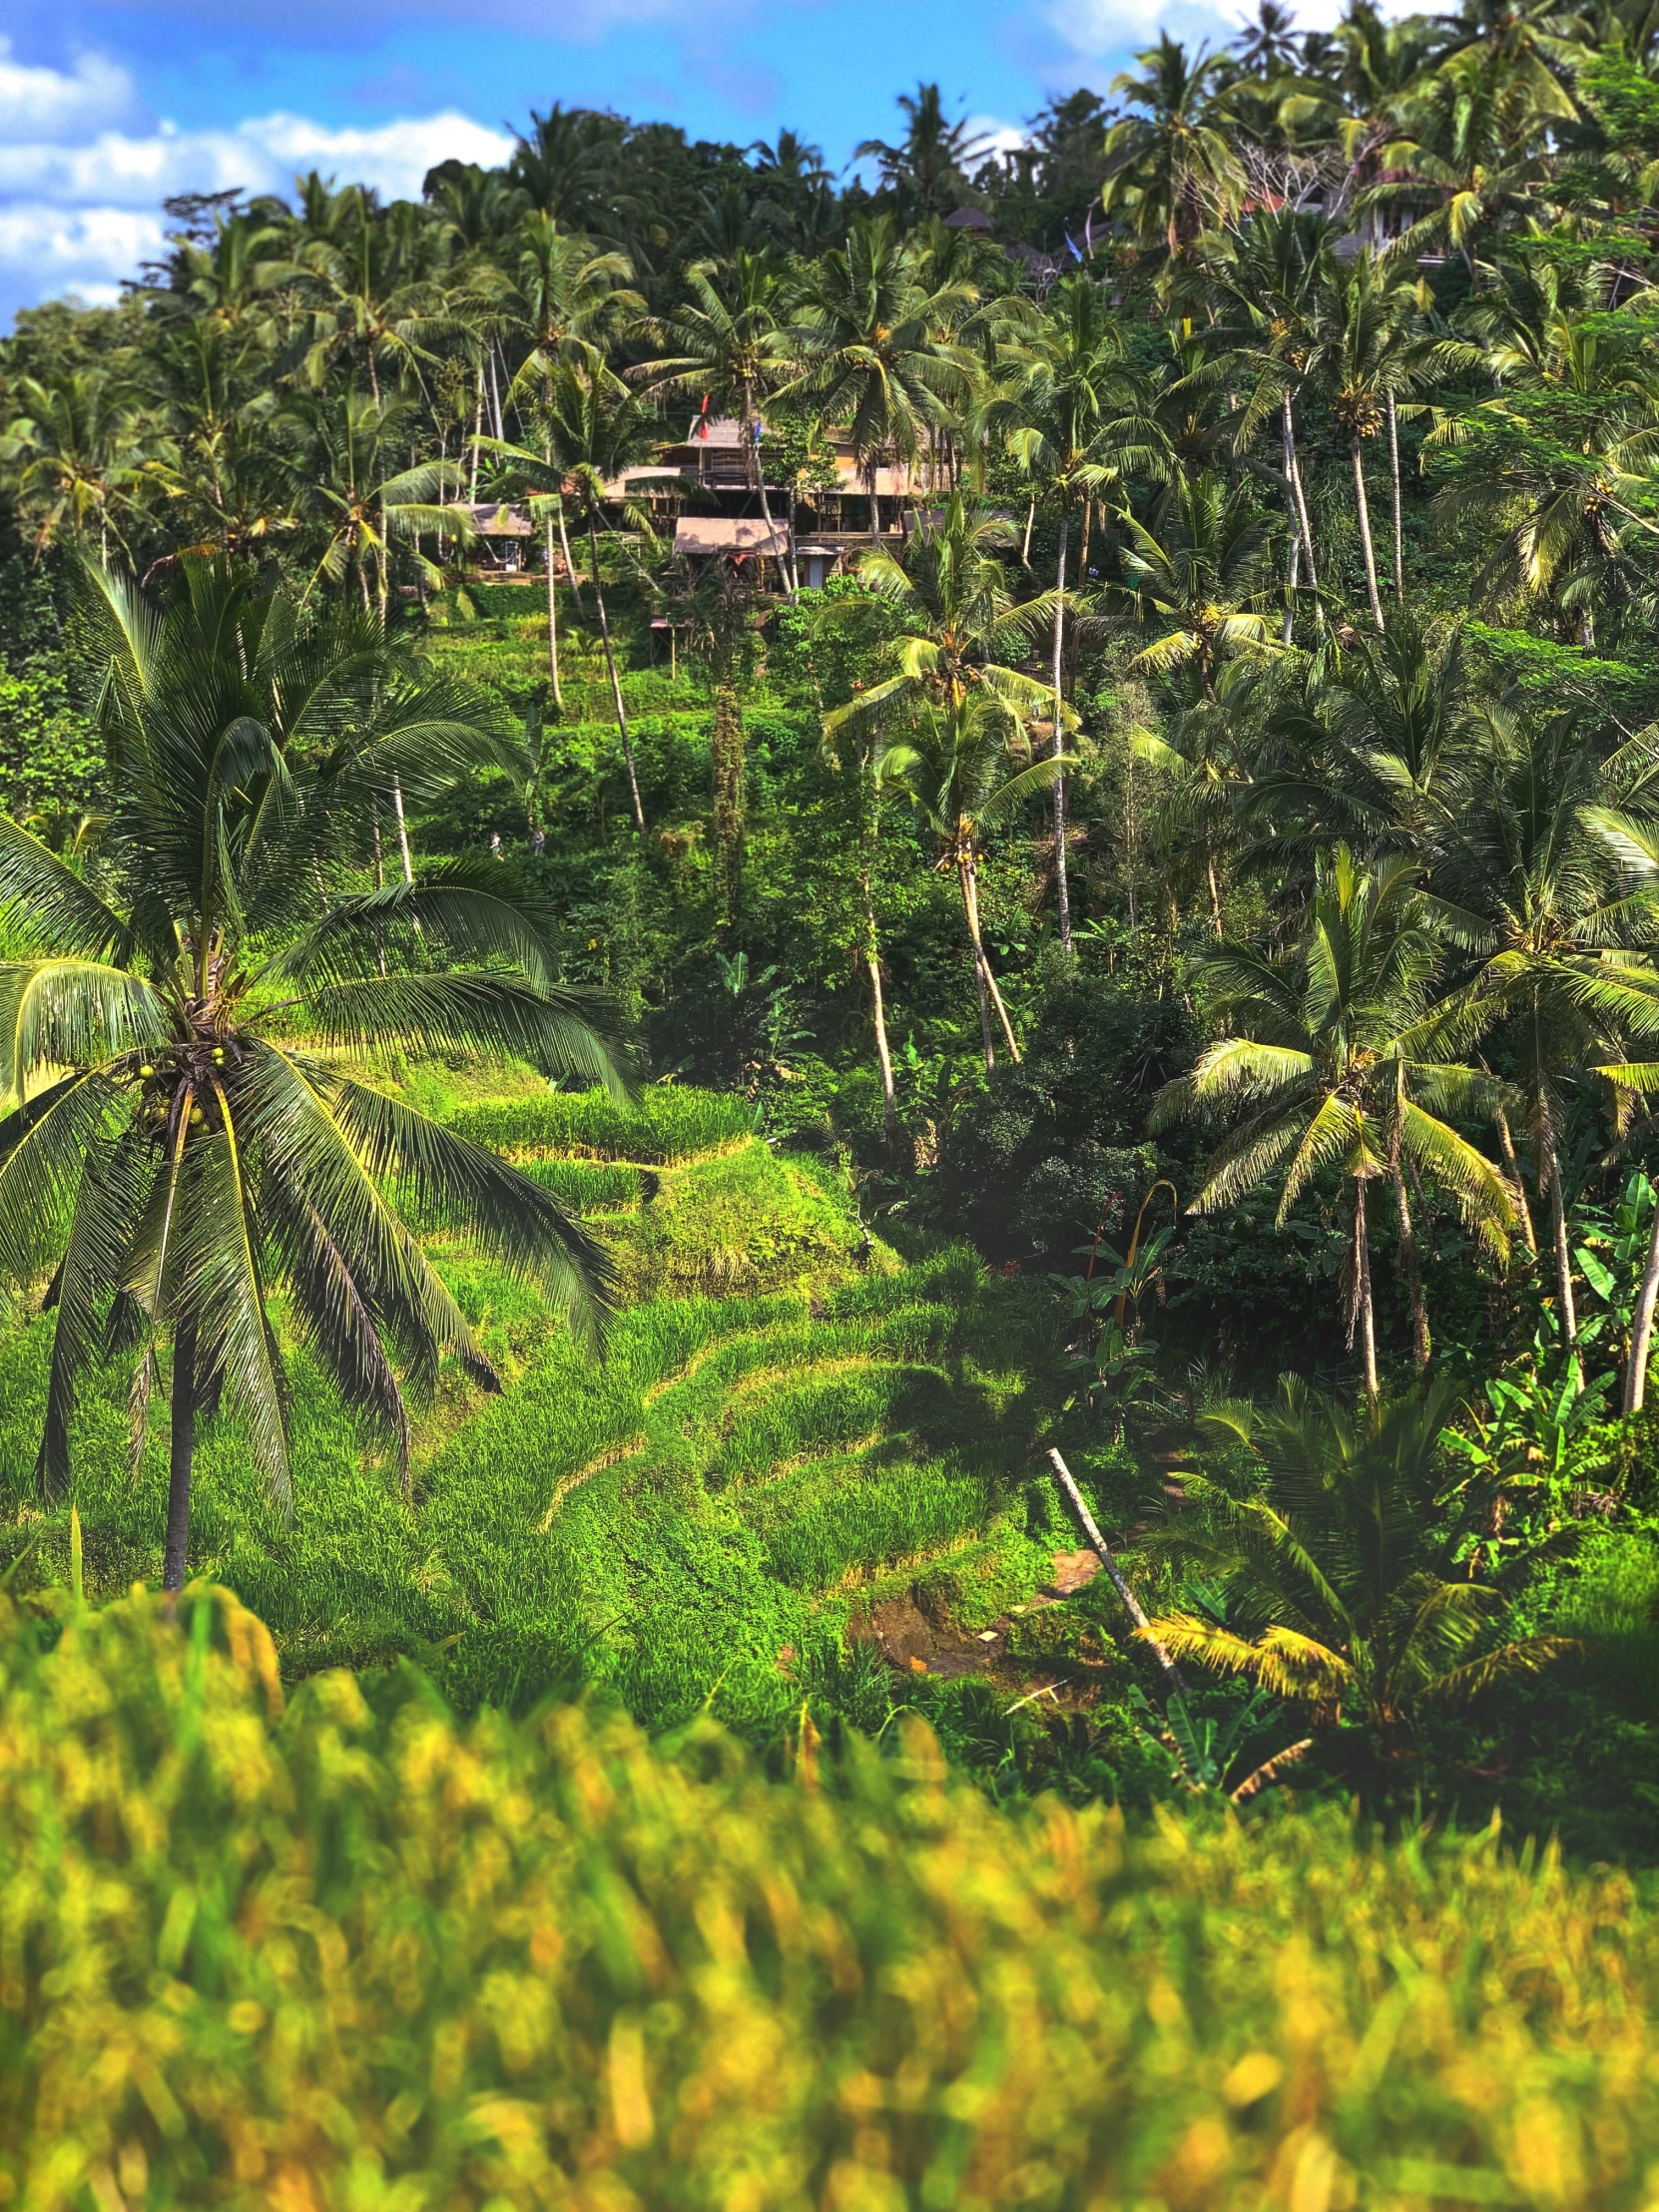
pixel 795 1437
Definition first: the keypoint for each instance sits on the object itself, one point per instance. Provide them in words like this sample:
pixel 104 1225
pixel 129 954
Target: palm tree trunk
pixel 181 1456
pixel 1292 566
pixel 477 433
pixel 402 828
pixel 1214 886
pixel 1362 1288
pixel 1293 468
pixel 616 685
pixel 1363 510
pixel 1062 888
pixel 570 565
pixel 874 506
pixel 1641 1327
pixel 553 625
pixel 1413 1270
pixel 969 877
pixel 1563 1257
pixel 1518 1183
pixel 1393 468
pixel 883 1058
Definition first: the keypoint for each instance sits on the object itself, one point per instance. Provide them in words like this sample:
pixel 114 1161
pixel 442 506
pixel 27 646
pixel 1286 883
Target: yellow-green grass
pixel 362 1958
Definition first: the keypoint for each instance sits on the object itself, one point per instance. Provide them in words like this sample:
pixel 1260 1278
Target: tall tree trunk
pixel 1363 510
pixel 969 877
pixel 615 683
pixel 570 565
pixel 181 1456
pixel 1393 469
pixel 1214 886
pixel 1563 1257
pixel 1062 888
pixel 1362 1288
pixel 1641 1327
pixel 883 1058
pixel 1414 1270
pixel 1517 1181
pixel 402 828
pixel 553 625
pixel 477 433
pixel 1031 518
pixel 1294 468
pixel 874 506
pixel 1292 565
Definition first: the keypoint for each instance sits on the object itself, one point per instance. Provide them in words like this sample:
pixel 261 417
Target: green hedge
pixel 360 1957
pixel 670 1123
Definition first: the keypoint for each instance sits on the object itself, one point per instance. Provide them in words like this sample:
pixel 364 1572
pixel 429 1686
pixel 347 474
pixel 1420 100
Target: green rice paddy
pixel 791 1424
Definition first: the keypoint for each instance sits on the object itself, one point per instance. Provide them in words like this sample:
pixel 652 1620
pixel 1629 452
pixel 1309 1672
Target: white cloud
pixel 1113 29
pixel 999 137
pixel 79 213
pixel 262 155
pixel 54 104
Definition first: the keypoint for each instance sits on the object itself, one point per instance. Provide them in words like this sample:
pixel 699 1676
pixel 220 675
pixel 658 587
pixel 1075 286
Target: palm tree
pixel 1339 1593
pixel 595 430
pixel 952 765
pixel 73 455
pixel 868 336
pixel 950 586
pixel 928 171
pixel 1368 361
pixel 1203 756
pixel 362 509
pixel 1172 170
pixel 1058 428
pixel 730 343
pixel 1267 46
pixel 1273 266
pixel 1195 580
pixel 1539 874
pixel 187 1129
pixel 1335 1059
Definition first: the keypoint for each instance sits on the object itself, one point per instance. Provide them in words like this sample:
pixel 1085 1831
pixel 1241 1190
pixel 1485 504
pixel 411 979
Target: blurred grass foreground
pixel 358 1954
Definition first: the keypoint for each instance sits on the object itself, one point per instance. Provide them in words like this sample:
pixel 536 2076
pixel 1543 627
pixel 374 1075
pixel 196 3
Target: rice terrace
pixel 829 1188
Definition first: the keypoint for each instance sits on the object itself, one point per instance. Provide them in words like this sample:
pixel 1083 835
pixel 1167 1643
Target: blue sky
pixel 108 105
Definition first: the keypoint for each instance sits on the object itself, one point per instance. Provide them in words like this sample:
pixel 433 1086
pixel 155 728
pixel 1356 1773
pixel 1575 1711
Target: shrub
pixel 361 1956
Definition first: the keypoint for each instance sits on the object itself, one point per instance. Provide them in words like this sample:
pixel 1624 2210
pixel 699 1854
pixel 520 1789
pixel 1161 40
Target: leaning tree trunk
pixel 1563 1257
pixel 570 565
pixel 883 1058
pixel 1641 1327
pixel 615 683
pixel 1413 1270
pixel 1393 471
pixel 1364 511
pixel 553 624
pixel 1363 1314
pixel 1293 470
pixel 969 877
pixel 1062 888
pixel 181 1458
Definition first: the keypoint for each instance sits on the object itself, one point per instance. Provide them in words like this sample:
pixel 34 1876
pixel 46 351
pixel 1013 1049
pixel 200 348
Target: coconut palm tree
pixel 1058 424
pixel 1197 578
pixel 362 498
pixel 1339 1589
pixel 730 343
pixel 867 335
pixel 1172 169
pixel 953 764
pixel 73 455
pixel 1367 360
pixel 1338 1057
pixel 594 429
pixel 1547 877
pixel 191 1121
pixel 928 170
